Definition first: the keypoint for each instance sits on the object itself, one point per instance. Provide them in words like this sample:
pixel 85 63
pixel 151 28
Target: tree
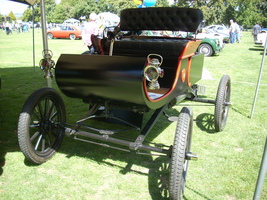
pixel 74 9
pixel 162 3
pixel 12 16
pixel 246 12
pixel 115 6
pixel 27 15
pixel 50 6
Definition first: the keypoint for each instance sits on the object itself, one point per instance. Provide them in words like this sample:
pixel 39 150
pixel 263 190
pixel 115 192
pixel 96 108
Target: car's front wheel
pixel 72 36
pixel 205 49
pixel 41 125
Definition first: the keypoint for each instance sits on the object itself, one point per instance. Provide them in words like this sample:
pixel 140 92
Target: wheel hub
pixel 191 156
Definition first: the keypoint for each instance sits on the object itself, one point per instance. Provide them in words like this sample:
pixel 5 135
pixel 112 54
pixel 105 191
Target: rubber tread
pixel 182 143
pixel 24 122
pixel 223 95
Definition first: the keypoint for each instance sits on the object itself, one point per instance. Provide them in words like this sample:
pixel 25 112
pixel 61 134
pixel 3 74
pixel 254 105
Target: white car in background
pixel 208 34
pixel 221 29
pixel 261 38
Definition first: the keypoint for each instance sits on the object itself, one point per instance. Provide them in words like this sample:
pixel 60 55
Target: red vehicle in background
pixel 71 32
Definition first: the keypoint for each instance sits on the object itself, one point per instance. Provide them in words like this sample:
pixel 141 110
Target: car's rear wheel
pixel 72 36
pixel 222 103
pixel 205 49
pixel 50 36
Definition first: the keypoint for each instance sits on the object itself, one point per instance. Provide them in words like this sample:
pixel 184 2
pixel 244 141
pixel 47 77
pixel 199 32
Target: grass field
pixel 228 163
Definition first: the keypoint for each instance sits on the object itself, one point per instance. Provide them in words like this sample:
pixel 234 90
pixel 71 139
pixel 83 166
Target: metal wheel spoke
pixel 48 140
pixel 46 110
pixel 36 134
pixel 36 115
pixel 39 106
pixel 43 144
pixel 54 115
pixel 38 142
pixel 51 108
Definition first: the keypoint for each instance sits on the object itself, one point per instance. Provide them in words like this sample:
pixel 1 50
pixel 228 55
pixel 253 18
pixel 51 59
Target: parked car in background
pixel 209 46
pixel 221 29
pixel 203 33
pixel 71 32
pixel 261 38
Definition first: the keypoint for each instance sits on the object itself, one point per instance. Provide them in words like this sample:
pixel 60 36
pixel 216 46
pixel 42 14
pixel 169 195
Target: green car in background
pixel 209 46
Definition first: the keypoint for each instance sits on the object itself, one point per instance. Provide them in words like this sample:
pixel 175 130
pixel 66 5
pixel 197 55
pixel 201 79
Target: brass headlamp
pixel 153 71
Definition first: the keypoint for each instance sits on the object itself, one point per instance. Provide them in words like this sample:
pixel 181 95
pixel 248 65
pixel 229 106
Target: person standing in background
pixel 232 31
pixel 90 28
pixel 237 32
pixel 101 26
pixel 255 31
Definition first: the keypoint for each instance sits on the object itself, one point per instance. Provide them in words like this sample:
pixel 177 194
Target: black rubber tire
pixel 221 109
pixel 206 49
pixel 182 145
pixel 41 125
pixel 72 36
pixel 50 36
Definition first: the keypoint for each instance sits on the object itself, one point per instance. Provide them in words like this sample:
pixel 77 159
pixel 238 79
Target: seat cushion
pixel 142 47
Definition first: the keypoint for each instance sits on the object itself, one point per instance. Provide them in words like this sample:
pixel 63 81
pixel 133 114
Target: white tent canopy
pixel 29 2
pixel 110 17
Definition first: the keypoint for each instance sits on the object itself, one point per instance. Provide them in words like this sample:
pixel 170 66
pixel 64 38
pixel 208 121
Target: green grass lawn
pixel 228 163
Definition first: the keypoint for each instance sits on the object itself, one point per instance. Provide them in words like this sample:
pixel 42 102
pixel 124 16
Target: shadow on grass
pixel 17 84
pixel 256 48
pixel 205 122
pixel 199 194
pixel 155 168
pixel 237 110
pixel 159 181
pixel 2 161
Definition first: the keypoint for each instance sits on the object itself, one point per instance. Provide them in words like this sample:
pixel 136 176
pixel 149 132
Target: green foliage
pixel 162 3
pixel 12 16
pixel 75 9
pixel 27 15
pixel 245 12
pixel 50 6
pixel 114 6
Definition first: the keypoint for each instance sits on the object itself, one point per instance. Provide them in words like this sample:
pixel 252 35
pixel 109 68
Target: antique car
pixel 65 31
pixel 126 77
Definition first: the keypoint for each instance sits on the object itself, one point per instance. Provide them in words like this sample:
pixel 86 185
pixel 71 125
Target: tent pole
pixel 33 37
pixel 259 79
pixel 43 21
pixel 262 173
pixel 46 54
